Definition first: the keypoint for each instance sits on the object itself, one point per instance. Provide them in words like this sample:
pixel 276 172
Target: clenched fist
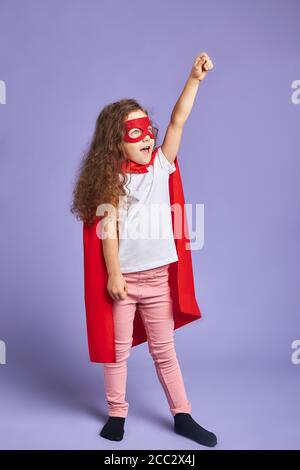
pixel 201 66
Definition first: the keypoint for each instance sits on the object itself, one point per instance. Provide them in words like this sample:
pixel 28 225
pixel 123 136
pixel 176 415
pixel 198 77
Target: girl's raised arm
pixel 183 106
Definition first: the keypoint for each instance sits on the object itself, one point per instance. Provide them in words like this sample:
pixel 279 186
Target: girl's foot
pixel 113 428
pixel 185 425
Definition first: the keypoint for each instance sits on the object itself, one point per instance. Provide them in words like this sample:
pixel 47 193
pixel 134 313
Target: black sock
pixel 113 428
pixel 185 425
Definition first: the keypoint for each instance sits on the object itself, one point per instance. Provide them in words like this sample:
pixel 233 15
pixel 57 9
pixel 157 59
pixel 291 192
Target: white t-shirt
pixel 146 237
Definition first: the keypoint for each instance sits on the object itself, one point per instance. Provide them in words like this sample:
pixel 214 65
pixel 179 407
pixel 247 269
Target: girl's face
pixel 132 150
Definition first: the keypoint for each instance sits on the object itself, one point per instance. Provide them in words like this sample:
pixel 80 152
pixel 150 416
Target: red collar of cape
pixel 98 303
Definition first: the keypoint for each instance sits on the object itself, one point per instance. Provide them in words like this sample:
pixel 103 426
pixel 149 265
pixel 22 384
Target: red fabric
pixel 98 303
pixel 141 123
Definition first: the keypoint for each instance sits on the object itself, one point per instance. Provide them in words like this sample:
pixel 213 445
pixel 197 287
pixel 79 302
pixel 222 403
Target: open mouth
pixel 145 149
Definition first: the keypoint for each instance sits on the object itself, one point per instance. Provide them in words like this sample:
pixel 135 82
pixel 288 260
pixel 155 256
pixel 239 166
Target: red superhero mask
pixel 142 125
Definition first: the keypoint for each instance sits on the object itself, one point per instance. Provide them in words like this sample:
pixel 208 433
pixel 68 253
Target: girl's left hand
pixel 202 65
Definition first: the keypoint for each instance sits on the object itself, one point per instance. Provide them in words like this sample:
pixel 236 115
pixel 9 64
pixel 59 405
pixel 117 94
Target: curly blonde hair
pixel 98 178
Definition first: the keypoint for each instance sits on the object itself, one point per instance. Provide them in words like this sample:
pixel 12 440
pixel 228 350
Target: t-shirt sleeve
pixel 164 162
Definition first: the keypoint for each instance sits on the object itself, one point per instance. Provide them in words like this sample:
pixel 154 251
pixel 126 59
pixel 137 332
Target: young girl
pixel 138 286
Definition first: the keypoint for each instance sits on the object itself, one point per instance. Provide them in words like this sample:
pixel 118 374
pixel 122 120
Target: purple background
pixel 62 62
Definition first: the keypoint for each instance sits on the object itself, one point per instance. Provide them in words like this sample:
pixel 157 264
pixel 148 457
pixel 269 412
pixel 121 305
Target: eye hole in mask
pixel 138 132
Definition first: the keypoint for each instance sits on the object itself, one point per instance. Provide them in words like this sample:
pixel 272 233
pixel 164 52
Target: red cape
pixel 98 303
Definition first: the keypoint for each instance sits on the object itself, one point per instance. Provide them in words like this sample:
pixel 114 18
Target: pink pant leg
pixel 115 373
pixel 155 304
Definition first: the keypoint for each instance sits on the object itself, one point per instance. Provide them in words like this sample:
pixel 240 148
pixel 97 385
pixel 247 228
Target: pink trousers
pixel 151 290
